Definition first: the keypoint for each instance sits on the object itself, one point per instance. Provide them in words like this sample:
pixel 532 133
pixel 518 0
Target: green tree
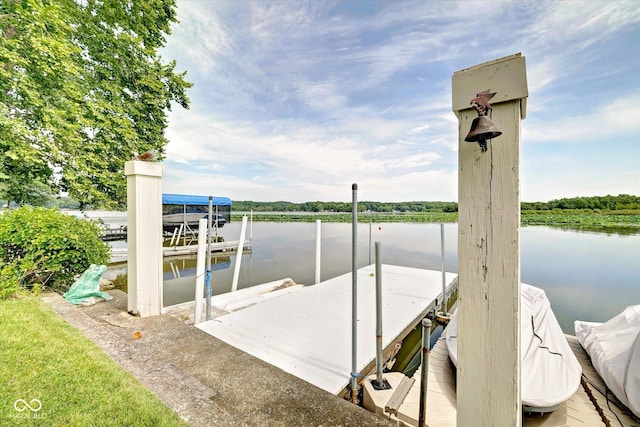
pixel 83 89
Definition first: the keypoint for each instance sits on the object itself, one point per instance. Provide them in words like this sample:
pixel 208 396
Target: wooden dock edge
pixel 389 352
pixel 591 405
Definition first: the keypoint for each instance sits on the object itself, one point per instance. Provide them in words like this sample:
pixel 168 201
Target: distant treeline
pixel 611 203
pixel 620 202
pixel 246 206
pixel 604 203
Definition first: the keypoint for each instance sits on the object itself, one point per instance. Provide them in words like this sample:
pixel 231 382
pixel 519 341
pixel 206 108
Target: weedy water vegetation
pixel 622 222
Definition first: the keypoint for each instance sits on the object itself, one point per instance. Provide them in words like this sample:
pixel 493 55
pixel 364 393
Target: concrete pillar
pixel 144 237
pixel 488 384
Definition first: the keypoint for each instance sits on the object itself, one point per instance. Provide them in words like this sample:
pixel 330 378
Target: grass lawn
pixel 49 364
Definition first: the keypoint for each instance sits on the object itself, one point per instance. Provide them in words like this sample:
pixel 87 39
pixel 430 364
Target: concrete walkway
pixel 206 381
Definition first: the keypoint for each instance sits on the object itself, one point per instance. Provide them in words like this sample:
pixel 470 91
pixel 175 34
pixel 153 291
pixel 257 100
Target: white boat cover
pixel 550 372
pixel 614 348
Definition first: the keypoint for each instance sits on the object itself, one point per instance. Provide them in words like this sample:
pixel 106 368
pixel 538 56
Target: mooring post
pixel 354 293
pixel 381 384
pixel 488 370
pixel 369 242
pixel 207 278
pixel 424 371
pixel 144 238
pixel 444 274
pixel 200 267
pixel 318 249
pixel 236 269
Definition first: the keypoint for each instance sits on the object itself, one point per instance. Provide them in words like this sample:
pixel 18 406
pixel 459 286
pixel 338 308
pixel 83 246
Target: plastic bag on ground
pixel 86 290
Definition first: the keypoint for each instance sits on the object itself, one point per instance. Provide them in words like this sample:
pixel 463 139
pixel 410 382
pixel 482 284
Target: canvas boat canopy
pixel 187 210
pixel 189 200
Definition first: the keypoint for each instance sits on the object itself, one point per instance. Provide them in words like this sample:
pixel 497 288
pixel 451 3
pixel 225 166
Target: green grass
pixel 43 357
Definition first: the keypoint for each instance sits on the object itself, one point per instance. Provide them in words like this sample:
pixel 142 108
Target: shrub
pixel 44 247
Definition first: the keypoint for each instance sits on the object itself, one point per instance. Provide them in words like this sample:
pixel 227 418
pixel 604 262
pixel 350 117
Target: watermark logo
pixel 29 409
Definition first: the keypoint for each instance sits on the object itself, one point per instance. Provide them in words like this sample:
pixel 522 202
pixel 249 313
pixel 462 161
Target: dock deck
pixel 119 255
pixel 308 332
pixel 589 406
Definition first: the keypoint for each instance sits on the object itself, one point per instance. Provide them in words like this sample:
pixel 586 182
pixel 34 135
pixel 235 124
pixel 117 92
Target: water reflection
pixel 586 275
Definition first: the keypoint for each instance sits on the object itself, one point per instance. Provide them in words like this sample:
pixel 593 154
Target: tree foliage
pixel 46 248
pixel 365 206
pixel 83 89
pixel 608 202
pixel 620 202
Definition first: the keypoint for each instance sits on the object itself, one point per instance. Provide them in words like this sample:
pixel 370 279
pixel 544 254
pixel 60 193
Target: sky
pixel 298 100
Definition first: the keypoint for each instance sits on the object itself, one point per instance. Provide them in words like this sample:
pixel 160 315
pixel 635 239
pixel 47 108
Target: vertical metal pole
pixel 200 265
pixel 354 294
pixel 424 371
pixel 379 378
pixel 444 280
pixel 369 241
pixel 207 279
pixel 318 249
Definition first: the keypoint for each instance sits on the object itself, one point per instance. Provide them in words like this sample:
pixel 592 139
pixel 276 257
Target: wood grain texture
pixel 489 271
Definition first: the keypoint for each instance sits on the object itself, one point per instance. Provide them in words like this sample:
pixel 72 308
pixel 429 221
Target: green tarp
pixel 86 290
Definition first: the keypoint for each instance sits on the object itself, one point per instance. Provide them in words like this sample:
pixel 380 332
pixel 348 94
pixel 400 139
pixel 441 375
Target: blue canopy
pixel 185 199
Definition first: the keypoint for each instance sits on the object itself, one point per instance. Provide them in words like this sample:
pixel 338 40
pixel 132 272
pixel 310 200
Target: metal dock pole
pixel 424 371
pixel 200 264
pixel 444 278
pixel 369 241
pixel 318 249
pixel 207 279
pixel 380 383
pixel 354 294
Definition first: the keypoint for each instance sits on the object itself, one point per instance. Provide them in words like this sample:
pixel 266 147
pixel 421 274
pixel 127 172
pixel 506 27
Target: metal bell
pixel 482 128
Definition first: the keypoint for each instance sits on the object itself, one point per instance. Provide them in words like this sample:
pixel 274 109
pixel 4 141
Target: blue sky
pixel 297 100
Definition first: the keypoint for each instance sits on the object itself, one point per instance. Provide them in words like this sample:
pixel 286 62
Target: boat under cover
pixel 614 348
pixel 550 372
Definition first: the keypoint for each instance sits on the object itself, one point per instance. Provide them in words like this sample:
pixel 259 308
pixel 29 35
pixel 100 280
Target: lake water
pixel 586 276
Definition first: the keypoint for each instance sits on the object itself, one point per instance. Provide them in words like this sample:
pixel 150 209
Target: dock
pixel 589 406
pixel 119 255
pixel 307 333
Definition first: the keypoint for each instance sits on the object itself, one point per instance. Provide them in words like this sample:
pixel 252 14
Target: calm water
pixel 587 276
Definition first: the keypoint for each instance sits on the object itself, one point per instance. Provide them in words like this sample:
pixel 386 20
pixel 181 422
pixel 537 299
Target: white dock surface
pixel 308 332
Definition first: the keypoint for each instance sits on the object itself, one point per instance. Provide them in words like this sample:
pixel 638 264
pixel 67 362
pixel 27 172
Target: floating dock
pixel 589 406
pixel 119 255
pixel 308 332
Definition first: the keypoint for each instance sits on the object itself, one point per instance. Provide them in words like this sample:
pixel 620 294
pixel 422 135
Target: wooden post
pixel 488 385
pixel 144 237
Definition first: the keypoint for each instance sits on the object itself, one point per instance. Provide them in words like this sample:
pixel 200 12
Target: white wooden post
pixel 236 267
pixel 318 249
pixel 488 385
pixel 144 237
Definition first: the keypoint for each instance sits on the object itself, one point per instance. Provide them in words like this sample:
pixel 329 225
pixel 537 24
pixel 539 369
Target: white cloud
pixel 297 100
pixel 617 116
